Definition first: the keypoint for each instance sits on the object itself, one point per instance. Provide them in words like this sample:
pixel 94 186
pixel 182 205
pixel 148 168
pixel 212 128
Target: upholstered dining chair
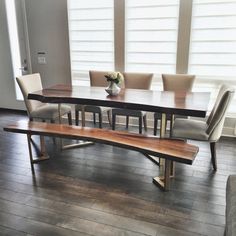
pixel 97 79
pixel 134 81
pixel 209 130
pixel 37 109
pixel 174 82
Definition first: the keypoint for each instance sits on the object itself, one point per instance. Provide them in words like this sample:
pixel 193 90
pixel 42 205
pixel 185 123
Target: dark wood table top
pixel 181 103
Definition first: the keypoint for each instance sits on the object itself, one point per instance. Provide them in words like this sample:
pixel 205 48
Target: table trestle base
pixel 75 145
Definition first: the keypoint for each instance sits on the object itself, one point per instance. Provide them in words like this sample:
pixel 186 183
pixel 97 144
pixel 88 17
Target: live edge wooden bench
pixel 169 149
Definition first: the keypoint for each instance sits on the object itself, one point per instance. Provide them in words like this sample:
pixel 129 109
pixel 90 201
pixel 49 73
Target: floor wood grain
pixel 105 190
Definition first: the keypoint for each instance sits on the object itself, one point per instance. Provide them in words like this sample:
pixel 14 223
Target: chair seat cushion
pixel 128 112
pixel 94 109
pixel 190 129
pixel 49 111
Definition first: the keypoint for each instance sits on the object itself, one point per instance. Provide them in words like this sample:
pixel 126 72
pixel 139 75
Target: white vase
pixel 113 89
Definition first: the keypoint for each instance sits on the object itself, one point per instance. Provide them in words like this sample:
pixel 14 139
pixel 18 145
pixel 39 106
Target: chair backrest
pixel 97 78
pixel 216 118
pixel 138 80
pixel 28 84
pixel 178 82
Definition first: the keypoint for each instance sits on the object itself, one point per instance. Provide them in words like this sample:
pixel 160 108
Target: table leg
pixel 80 143
pixel 167 166
pixel 155 159
pixel 163 125
pixel 164 182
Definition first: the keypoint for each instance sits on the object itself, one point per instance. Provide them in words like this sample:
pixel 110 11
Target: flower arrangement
pixel 116 77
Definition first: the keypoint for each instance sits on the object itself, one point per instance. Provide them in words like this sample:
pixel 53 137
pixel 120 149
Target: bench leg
pixel 164 182
pixel 43 155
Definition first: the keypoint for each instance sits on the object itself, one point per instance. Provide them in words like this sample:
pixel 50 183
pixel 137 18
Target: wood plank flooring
pixel 105 190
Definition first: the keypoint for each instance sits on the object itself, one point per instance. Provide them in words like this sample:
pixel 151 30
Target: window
pixel 151 35
pixel 157 39
pixel 212 55
pixel 91 33
pixel 213 40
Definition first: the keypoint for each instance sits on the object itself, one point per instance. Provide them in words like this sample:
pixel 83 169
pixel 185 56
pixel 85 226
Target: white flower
pixel 117 77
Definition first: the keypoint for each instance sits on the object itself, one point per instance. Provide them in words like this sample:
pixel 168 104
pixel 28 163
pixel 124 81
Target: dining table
pixel 193 104
pixel 165 102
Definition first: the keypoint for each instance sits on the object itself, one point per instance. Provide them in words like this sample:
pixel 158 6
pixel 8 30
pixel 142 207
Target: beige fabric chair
pixel 209 130
pixel 36 109
pixel 97 79
pixel 175 82
pixel 134 81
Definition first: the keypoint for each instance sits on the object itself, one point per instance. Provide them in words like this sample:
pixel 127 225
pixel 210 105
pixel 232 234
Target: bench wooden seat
pixel 169 149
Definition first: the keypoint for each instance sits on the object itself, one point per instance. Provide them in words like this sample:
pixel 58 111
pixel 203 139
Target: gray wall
pixel 48 32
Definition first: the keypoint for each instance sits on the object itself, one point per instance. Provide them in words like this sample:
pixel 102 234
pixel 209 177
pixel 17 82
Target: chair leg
pixel 171 124
pixel 76 117
pixel 109 117
pixel 94 118
pixel 140 124
pixel 113 122
pixel 100 120
pixel 165 126
pixel 127 122
pixel 69 118
pixel 213 155
pixel 145 122
pixel 155 126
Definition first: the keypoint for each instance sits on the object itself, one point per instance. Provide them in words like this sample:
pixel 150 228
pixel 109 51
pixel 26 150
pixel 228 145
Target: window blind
pixel 91 31
pixel 212 56
pixel 151 35
pixel 213 39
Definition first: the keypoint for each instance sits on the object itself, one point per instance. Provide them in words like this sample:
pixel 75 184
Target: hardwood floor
pixel 105 190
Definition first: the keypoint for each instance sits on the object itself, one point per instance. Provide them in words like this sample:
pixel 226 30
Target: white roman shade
pixel 213 40
pixel 151 35
pixel 91 31
pixel 212 56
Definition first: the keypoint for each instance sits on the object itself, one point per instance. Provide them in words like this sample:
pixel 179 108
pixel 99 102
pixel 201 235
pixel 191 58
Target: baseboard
pixel 13 110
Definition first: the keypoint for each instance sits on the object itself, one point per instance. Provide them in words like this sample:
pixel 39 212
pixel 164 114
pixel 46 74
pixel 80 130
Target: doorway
pixel 18 38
